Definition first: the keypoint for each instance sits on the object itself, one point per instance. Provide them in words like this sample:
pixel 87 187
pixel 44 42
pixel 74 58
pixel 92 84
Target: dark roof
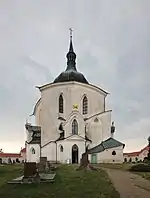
pixel 111 142
pixel 107 144
pixel 97 149
pixel 71 73
pixel 31 128
pixel 36 133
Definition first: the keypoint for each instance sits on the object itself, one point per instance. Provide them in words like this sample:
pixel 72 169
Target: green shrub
pixel 140 168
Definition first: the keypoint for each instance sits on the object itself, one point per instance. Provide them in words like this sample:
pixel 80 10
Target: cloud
pixel 112 43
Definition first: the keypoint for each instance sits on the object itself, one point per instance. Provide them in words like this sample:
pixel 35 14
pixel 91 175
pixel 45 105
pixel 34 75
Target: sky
pixel 112 43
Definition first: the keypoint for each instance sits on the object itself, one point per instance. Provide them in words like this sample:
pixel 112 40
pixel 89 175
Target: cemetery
pixel 67 182
pixel 45 179
pixel 36 173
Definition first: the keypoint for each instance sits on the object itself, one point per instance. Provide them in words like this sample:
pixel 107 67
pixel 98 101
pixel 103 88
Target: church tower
pixel 71 73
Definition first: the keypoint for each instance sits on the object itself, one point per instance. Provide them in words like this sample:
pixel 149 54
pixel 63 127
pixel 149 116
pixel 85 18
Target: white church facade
pixel 71 118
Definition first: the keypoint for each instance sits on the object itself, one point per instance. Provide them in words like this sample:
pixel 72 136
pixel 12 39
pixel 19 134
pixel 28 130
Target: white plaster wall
pixel 33 157
pixel 141 156
pixel 132 157
pixel 106 120
pixel 72 93
pixel 67 149
pixel 107 157
pixel 95 132
pixel 38 114
pixel 101 130
pixel 49 151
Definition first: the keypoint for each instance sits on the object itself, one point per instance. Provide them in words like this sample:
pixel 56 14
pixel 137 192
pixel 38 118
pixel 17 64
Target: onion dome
pixel 71 73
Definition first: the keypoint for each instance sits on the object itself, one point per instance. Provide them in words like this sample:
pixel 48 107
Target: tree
pixel 1 150
pixel 136 159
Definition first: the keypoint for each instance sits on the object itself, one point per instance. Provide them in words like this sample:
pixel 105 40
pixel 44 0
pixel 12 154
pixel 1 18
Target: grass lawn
pixel 69 183
pixel 124 166
pixel 145 175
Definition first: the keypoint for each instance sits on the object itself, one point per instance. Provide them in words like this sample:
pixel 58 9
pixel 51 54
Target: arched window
pixel 61 104
pixel 61 148
pixel 74 127
pixel 32 150
pixel 85 105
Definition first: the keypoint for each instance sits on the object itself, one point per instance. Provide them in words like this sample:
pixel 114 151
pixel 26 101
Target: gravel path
pixel 129 185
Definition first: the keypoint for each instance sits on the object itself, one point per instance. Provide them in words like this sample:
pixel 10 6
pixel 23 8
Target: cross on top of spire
pixel 71 30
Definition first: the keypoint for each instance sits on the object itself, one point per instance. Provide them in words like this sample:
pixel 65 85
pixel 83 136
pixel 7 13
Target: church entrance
pixel 75 154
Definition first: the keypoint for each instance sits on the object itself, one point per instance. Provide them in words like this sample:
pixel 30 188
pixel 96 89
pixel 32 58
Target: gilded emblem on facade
pixel 75 106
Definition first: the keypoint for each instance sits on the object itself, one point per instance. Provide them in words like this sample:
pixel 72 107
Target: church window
pixel 61 105
pixel 32 150
pixel 74 127
pixel 85 105
pixel 114 153
pixel 61 148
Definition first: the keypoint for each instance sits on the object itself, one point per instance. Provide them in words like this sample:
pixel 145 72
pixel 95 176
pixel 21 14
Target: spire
pixel 71 45
pixel 71 56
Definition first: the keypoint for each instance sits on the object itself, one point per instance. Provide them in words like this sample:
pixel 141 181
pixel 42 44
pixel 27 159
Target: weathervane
pixel 70 29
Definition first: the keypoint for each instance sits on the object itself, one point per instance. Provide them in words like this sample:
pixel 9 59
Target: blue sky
pixel 112 43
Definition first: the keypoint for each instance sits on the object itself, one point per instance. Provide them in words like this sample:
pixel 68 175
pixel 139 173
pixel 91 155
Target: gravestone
pixel 42 164
pixel 30 169
pixel 84 160
pixel 84 163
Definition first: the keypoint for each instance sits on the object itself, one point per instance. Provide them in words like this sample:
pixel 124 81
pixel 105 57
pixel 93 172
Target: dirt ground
pixel 129 185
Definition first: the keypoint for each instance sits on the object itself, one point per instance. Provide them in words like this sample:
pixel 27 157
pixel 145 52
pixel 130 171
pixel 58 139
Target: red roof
pixel 146 148
pixel 132 154
pixel 17 155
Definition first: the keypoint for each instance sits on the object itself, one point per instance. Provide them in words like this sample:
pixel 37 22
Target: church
pixel 71 119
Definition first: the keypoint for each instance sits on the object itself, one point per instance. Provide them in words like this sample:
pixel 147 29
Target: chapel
pixel 71 119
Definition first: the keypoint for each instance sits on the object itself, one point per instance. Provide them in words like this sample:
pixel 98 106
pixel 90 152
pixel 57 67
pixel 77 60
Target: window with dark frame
pixel 61 104
pixel 61 148
pixel 74 127
pixel 85 105
pixel 114 153
pixel 32 150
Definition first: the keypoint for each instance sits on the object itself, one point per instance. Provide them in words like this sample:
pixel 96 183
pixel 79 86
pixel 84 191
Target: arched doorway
pixel 75 154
